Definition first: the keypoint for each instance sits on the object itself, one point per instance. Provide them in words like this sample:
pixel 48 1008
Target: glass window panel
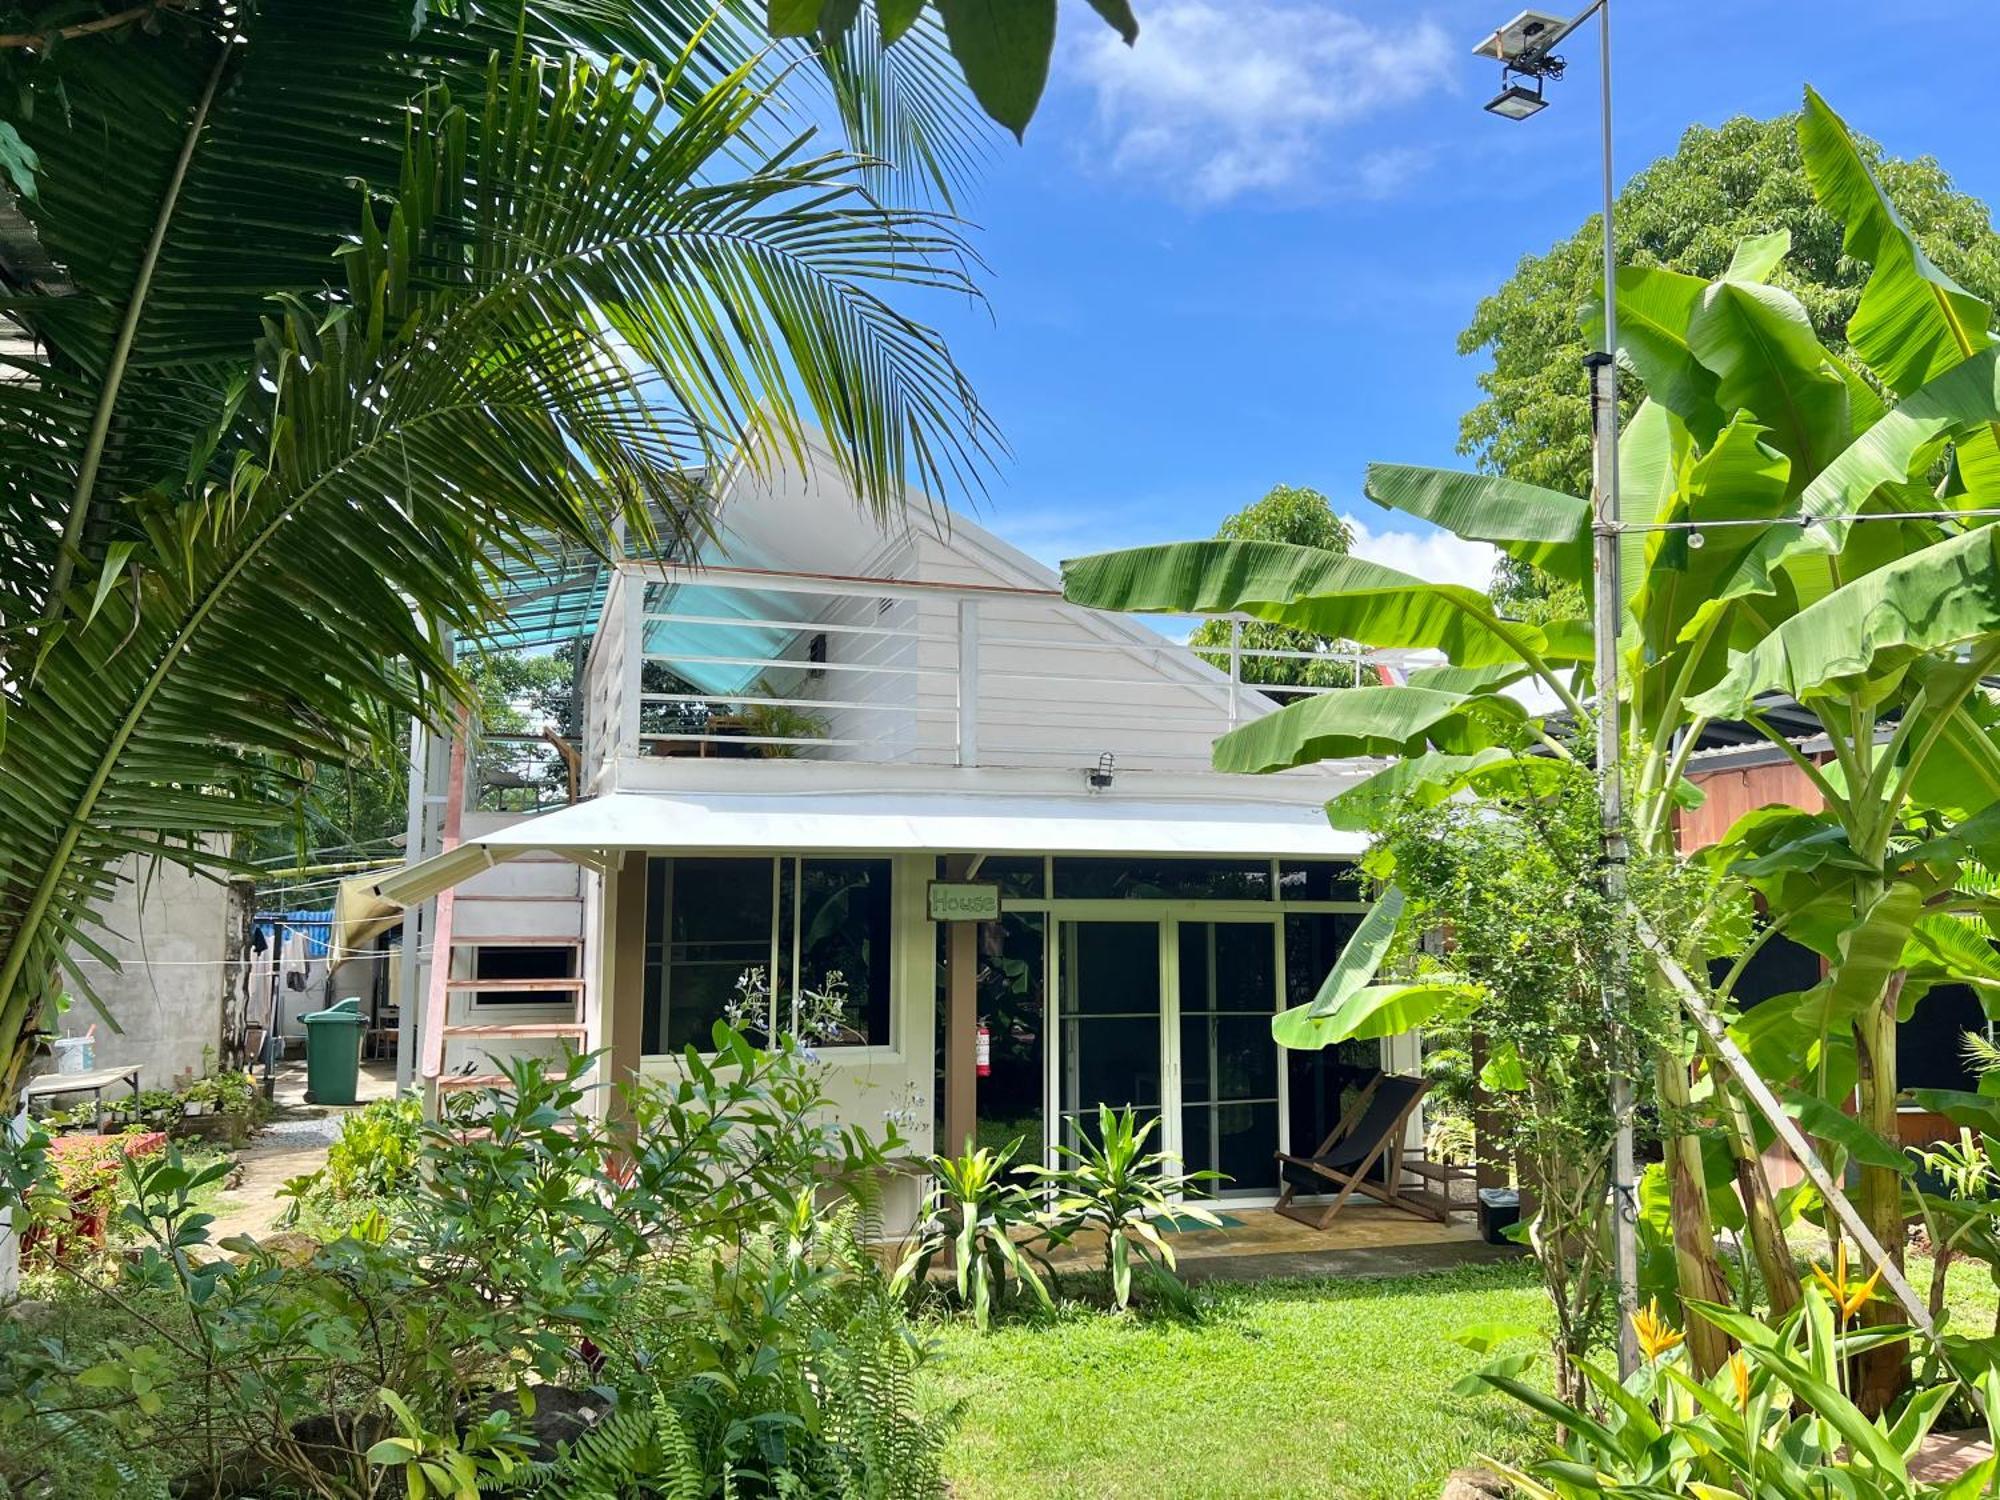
pixel 708 930
pixel 1102 879
pixel 1245 968
pixel 1313 941
pixel 1115 968
pixel 1195 954
pixel 1013 1008
pixel 1197 1075
pixel 701 995
pixel 1246 1059
pixel 1113 1060
pixel 1246 1149
pixel 1321 880
pixel 1021 876
pixel 1198 1146
pixel 844 925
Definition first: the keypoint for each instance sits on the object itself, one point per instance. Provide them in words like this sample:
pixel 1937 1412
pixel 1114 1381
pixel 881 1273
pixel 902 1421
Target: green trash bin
pixel 333 1051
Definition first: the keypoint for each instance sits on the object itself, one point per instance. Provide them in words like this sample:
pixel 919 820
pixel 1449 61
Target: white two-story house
pixel 794 744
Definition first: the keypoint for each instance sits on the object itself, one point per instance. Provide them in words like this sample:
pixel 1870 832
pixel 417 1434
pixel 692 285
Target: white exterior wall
pixel 170 931
pixel 1083 684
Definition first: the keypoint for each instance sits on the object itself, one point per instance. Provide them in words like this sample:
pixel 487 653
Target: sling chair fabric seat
pixel 1370 1131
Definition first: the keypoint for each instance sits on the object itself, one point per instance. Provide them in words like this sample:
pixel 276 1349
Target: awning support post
pixel 961 1043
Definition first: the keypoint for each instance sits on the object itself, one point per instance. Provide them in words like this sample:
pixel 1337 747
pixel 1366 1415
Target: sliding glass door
pixel 1227 990
pixel 1112 991
pixel 1173 1018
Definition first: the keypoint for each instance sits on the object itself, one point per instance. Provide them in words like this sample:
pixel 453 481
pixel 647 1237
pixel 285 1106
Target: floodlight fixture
pixel 1516 101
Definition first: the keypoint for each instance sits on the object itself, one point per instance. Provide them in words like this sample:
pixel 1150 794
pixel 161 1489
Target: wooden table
pixel 94 1083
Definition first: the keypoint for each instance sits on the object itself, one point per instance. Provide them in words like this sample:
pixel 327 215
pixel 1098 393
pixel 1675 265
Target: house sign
pixel 957 902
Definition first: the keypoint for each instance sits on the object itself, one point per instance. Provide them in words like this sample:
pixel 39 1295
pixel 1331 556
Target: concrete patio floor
pixel 1367 1239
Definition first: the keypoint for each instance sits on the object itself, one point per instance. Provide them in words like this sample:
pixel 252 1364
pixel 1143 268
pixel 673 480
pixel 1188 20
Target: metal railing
pixel 744 663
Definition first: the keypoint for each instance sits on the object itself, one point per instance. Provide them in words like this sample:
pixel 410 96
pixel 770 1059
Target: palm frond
pixel 558 296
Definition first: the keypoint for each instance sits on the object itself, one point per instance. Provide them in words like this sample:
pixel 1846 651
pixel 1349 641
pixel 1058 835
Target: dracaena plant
pixel 383 304
pixel 985 1222
pixel 1109 1184
pixel 1803 528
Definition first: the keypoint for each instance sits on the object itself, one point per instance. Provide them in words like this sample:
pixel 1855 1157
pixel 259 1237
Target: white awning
pixel 885 823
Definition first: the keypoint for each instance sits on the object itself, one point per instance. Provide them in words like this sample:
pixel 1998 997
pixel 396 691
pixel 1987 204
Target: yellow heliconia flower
pixel 1656 1336
pixel 1739 1376
pixel 1848 1296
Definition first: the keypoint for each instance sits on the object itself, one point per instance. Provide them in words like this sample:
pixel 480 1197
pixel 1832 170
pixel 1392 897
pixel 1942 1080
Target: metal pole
pixel 415 821
pixel 1609 610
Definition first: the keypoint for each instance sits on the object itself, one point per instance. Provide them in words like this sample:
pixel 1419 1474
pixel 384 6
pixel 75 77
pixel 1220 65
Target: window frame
pixel 782 969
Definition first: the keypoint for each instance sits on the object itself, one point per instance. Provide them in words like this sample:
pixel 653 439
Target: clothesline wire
pixel 1807 522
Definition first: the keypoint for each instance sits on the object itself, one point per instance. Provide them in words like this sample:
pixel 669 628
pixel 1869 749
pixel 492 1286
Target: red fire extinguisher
pixel 983 1056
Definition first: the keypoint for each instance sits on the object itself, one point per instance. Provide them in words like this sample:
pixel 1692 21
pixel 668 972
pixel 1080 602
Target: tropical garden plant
pixel 1776 1421
pixel 1510 879
pixel 386 298
pixel 1800 526
pixel 1110 1185
pixel 985 1220
pixel 669 1266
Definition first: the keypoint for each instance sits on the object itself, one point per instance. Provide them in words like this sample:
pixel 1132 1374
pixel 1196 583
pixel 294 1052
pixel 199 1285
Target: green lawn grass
pixel 1320 1388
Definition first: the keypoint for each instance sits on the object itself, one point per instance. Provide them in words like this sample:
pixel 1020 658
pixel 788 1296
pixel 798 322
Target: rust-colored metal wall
pixel 1736 790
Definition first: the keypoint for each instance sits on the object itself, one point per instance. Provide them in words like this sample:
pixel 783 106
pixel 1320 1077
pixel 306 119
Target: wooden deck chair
pixel 1371 1128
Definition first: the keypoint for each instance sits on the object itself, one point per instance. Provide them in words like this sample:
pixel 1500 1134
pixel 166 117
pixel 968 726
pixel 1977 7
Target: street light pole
pixel 1610 613
pixel 1523 48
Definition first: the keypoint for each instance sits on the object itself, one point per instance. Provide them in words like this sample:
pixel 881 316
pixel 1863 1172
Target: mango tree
pixel 1799 528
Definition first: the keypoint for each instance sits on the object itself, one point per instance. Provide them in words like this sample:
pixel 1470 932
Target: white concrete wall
pixel 170 931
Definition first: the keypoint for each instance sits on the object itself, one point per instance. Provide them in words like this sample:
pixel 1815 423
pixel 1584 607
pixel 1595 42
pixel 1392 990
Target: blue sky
pixel 1241 253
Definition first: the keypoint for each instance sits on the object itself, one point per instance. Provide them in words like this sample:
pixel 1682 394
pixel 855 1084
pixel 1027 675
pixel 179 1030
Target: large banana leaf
pixel 1369 721
pixel 1349 1006
pixel 1913 322
pixel 1740 479
pixel 1760 344
pixel 1655 307
pixel 1933 600
pixel 1963 399
pixel 1427 777
pixel 1545 528
pixel 1870 951
pixel 1346 598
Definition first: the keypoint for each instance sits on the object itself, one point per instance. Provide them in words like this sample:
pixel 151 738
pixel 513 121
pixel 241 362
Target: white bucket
pixel 75 1054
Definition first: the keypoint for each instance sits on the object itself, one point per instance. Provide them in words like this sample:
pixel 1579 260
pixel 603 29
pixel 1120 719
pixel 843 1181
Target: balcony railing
pixel 743 663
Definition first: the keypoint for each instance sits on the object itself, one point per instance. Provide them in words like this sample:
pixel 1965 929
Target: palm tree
pixel 331 318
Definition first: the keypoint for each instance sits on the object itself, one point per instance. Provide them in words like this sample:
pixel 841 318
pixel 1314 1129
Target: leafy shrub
pixel 69 1218
pixel 985 1224
pixel 675 1261
pixel 378 1150
pixel 1112 1185
pixel 782 1369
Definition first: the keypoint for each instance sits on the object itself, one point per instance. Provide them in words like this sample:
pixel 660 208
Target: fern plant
pixel 779 1369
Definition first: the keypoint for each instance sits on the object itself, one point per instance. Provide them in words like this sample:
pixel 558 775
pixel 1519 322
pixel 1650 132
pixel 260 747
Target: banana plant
pixel 1792 535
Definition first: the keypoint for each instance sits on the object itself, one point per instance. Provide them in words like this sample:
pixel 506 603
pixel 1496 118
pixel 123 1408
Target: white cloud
pixel 1434 556
pixel 1225 97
